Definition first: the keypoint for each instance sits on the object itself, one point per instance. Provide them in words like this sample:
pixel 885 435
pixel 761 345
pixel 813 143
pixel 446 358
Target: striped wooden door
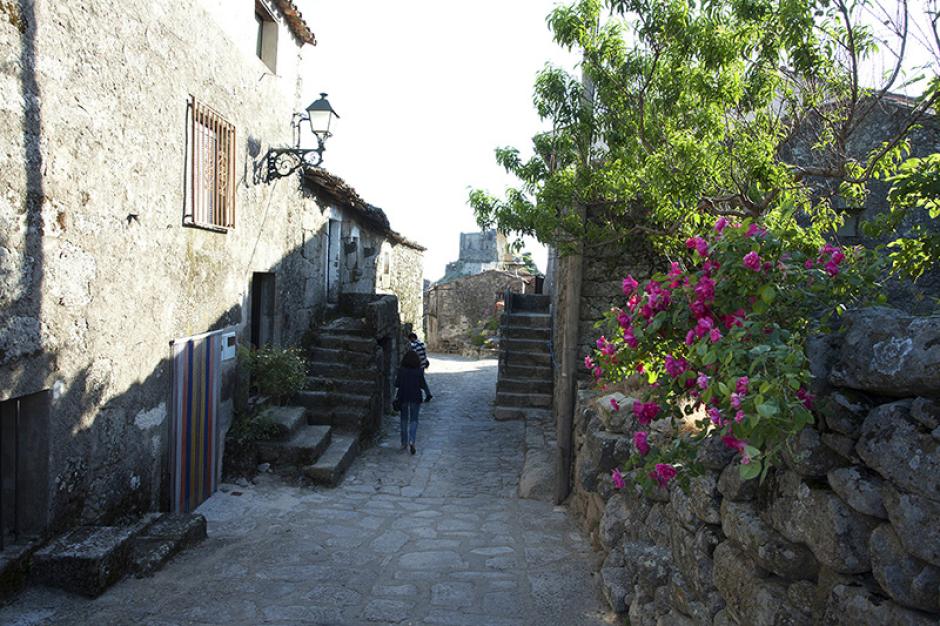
pixel 194 435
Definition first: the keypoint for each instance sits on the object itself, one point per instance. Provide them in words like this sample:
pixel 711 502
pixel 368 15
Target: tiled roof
pixel 336 190
pixel 296 21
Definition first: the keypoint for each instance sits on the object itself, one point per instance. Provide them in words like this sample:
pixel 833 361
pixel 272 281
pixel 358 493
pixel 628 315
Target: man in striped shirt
pixel 418 347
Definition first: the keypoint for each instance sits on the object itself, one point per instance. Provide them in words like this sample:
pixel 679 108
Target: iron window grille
pixel 211 169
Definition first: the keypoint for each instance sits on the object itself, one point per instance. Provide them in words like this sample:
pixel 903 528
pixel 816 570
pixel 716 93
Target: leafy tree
pixel 685 111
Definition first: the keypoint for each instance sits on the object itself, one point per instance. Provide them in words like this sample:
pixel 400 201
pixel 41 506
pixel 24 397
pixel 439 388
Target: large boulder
pixel 898 448
pixel 614 583
pixel 612 521
pixel 704 498
pixel 752 597
pixel 917 522
pixel 888 352
pixel 855 606
pixel 648 567
pixel 927 412
pixel 907 580
pixel 764 545
pixel 844 410
pixel 656 526
pixel 860 488
pixel 681 506
pixel 692 555
pixel 702 610
pixel 836 533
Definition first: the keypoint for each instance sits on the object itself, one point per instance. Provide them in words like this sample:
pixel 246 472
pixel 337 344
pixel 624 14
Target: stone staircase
pixel 524 387
pixel 319 435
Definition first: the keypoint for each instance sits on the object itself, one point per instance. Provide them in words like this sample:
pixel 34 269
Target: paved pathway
pixel 436 538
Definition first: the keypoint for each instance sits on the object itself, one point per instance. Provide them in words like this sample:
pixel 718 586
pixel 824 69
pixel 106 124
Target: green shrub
pixel 275 372
pixel 249 427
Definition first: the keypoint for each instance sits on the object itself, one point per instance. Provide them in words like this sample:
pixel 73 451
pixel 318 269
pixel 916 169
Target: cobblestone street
pixel 435 538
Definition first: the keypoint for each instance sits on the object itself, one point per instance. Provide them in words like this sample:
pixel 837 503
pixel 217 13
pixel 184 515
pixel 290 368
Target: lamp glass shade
pixel 321 115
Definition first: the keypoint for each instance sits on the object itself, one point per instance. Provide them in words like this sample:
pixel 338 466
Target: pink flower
pixel 675 367
pixel 614 405
pixel 690 338
pixel 754 229
pixel 715 335
pixel 733 442
pixel 589 362
pixel 640 368
pixel 837 257
pixel 663 474
pixel 629 285
pixel 699 244
pixel 674 270
pixel 806 398
pixel 710 266
pixel 745 459
pixel 598 372
pixel 703 326
pixel 720 224
pixel 832 268
pixel 702 381
pixel 742 384
pixel 629 338
pixel 715 416
pixel 641 443
pixel 735 400
pixel 733 319
pixel 645 412
pixel 808 264
pixel 623 319
pixel 705 289
pixel 739 417
pixel 617 478
pixel 752 261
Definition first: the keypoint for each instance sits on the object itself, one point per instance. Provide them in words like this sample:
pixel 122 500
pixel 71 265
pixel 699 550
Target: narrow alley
pixel 435 538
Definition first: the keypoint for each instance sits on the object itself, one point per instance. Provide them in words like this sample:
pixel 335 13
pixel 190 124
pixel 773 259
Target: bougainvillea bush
pixel 718 342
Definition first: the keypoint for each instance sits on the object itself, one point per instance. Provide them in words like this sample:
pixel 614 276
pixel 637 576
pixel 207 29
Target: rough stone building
pixel 457 307
pixel 135 218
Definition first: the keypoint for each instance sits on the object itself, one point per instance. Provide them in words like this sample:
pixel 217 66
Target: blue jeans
pixel 409 421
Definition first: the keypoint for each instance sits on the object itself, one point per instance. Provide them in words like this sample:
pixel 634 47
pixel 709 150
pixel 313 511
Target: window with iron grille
pixel 211 169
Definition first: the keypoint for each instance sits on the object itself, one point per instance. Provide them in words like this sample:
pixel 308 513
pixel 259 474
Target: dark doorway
pixel 24 457
pixel 262 309
pixel 333 255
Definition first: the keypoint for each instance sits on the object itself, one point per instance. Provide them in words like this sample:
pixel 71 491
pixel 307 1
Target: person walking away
pixel 408 382
pixel 418 346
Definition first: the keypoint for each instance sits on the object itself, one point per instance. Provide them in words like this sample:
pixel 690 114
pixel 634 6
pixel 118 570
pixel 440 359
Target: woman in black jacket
pixel 408 382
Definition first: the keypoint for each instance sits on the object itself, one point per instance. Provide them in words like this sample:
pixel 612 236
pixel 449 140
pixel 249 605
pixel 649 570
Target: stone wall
pixel 846 532
pixel 97 272
pixel 455 308
pixel 406 281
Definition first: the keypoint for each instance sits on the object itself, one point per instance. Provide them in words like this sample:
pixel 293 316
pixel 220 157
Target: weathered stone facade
pixel 843 533
pixel 457 307
pixel 97 272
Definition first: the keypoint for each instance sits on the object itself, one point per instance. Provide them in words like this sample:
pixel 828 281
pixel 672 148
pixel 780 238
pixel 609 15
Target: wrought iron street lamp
pixel 285 161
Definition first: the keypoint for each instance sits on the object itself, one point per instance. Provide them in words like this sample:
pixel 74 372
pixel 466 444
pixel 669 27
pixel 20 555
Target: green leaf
pixel 751 470
pixel 767 409
pixel 768 293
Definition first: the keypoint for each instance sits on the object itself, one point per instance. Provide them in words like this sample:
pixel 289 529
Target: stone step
pixel 346 357
pixel 521 385
pixel 169 535
pixel 342 385
pixel 517 357
pixel 345 371
pixel 332 464
pixel 503 413
pixel 541 400
pixel 528 320
pixel 342 341
pixel 88 559
pixel 515 344
pixel 317 399
pixel 530 302
pixel 303 448
pixel 346 326
pixel 342 417
pixel 525 332
pixel 287 419
pixel 517 371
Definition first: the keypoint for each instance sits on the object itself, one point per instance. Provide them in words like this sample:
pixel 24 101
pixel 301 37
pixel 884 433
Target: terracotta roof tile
pixel 296 21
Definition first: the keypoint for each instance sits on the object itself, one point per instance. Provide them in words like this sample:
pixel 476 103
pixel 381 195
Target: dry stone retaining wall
pixel 846 532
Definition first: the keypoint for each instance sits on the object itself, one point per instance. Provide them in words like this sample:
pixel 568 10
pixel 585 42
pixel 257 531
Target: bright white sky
pixel 426 90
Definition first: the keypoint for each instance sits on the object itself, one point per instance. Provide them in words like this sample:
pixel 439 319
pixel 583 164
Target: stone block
pixel 681 507
pixel 805 454
pixel 651 567
pixel 850 605
pixel 908 581
pixel 860 488
pixel 656 526
pixel 169 535
pixel 733 487
pixel 713 454
pixel 616 587
pixel 916 521
pixel 704 498
pixel 692 555
pixel 900 450
pixel 927 412
pixel 836 533
pixel 888 352
pixel 752 597
pixel 610 531
pixel 702 610
pixel 86 560
pixel 844 410
pixel 768 548
pixel 842 445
